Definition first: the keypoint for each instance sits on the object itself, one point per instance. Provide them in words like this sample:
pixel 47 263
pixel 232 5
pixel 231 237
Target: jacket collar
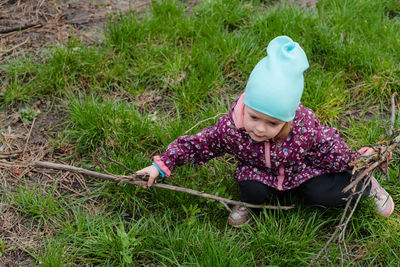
pixel 238 113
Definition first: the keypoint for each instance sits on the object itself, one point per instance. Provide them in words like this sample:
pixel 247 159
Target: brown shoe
pixel 239 216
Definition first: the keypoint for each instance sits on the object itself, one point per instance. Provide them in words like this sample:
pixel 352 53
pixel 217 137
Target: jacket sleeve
pixel 329 151
pixel 198 148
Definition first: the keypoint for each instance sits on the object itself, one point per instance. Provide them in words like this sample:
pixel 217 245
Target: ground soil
pixel 27 26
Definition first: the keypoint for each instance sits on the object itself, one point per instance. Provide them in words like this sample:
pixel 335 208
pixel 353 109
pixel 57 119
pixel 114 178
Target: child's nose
pixel 261 128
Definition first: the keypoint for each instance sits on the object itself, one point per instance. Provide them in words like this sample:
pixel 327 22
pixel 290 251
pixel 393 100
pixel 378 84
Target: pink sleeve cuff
pixel 161 165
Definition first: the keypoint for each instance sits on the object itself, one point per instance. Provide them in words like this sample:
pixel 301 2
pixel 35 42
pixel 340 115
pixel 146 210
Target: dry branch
pixel 19 28
pixel 393 113
pixel 136 180
pixel 14 47
pixel 365 167
pixel 110 160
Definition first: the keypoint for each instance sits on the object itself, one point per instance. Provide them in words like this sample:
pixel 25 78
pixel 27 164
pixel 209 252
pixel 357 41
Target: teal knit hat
pixel 276 83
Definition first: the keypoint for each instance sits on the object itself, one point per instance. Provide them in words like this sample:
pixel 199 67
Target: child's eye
pixel 253 117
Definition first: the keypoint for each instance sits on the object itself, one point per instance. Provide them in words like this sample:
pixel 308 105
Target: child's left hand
pixel 152 172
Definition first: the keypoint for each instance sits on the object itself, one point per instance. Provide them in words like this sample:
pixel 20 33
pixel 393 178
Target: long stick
pixel 129 180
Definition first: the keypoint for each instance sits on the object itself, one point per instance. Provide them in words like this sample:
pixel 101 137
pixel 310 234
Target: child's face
pixel 259 126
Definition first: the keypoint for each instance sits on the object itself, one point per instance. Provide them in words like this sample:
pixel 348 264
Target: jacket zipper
pixel 267 153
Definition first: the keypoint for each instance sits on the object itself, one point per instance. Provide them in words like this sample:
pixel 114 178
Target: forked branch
pixel 138 180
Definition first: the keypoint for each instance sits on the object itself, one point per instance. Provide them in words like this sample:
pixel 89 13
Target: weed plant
pixel 161 71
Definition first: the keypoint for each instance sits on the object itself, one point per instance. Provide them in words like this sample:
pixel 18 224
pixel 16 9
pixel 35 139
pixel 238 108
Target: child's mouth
pixel 258 136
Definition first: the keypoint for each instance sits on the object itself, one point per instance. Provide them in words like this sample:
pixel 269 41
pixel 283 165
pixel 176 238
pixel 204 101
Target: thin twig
pixel 398 178
pixel 110 160
pixel 29 135
pixel 361 176
pixel 10 153
pixel 105 155
pixel 393 113
pixel 194 126
pixel 226 206
pixel 333 237
pixel 130 180
pixel 341 256
pixel 19 28
pixel 14 47
pixel 360 194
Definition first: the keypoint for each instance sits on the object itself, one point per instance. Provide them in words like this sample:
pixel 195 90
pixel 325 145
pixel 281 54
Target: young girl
pixel 279 143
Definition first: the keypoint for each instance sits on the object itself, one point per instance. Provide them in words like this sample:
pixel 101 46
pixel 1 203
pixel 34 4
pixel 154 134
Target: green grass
pixel 35 204
pixel 160 72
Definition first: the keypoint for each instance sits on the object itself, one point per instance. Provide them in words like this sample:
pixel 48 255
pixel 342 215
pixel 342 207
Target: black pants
pixel 324 190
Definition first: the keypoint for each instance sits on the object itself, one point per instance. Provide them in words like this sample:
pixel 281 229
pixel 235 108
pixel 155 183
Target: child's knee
pixel 326 200
pixel 255 192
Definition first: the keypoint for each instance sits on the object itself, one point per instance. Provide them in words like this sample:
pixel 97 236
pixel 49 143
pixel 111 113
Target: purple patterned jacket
pixel 309 150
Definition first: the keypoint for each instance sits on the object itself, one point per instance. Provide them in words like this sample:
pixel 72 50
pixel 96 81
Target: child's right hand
pixel 367 151
pixel 152 171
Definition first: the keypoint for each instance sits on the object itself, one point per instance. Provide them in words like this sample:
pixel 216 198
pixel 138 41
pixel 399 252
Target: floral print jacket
pixel 309 150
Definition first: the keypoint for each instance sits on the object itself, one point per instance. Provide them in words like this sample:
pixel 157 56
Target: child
pixel 279 143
